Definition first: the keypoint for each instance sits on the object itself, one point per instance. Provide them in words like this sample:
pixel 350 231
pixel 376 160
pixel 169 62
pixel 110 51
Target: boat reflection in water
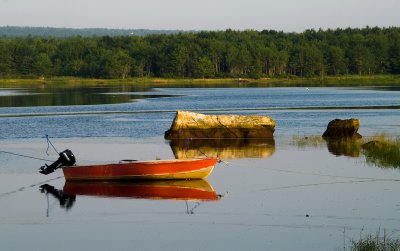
pixel 166 189
pixel 223 148
pixel 187 190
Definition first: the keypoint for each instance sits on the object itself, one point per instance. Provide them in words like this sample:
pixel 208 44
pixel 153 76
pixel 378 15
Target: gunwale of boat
pixel 165 161
pixel 157 170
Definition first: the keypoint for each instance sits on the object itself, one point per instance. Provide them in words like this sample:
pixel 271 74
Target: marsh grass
pixel 308 141
pixel 286 81
pixel 383 152
pixel 375 243
pixel 379 150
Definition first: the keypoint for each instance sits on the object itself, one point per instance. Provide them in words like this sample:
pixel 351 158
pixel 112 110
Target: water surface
pixel 302 111
pixel 273 195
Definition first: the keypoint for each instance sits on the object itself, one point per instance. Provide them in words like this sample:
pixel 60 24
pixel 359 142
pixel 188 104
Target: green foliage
pixel 383 152
pixel 210 54
pixel 6 59
pixel 375 243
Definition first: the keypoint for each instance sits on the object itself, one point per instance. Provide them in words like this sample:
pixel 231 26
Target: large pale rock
pixel 195 125
pixel 339 128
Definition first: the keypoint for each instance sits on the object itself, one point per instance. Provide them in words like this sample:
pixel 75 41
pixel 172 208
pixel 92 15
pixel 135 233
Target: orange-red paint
pixel 159 169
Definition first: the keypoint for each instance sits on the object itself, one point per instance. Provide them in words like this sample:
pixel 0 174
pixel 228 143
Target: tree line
pixel 18 31
pixel 207 54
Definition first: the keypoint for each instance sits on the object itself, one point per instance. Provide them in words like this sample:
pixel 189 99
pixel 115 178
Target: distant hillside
pixel 15 31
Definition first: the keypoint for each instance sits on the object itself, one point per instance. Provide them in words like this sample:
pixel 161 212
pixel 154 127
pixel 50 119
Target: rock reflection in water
pixel 349 147
pixel 223 148
pixel 380 151
pixel 197 190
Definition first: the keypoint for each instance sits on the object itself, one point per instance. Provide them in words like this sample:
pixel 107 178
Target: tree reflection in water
pixel 65 95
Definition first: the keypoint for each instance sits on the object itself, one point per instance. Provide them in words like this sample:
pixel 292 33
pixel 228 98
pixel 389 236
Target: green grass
pixel 328 81
pixel 375 243
pixel 308 141
pixel 383 152
pixel 346 80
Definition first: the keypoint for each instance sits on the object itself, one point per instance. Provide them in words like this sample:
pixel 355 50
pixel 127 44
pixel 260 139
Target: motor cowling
pixel 67 158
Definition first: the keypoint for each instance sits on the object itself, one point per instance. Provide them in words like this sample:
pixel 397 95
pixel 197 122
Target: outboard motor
pixel 66 158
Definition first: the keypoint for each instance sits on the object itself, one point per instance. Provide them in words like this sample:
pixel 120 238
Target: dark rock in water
pixel 190 125
pixel 346 128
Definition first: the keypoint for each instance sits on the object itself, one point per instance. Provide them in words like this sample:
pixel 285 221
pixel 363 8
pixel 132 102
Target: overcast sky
pixel 286 15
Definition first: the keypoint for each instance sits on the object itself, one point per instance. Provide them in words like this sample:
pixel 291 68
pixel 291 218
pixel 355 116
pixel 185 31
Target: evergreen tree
pixel 207 54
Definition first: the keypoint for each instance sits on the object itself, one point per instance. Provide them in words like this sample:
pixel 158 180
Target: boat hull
pixel 147 170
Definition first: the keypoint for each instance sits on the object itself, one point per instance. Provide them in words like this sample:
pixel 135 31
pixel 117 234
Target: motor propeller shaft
pixel 67 158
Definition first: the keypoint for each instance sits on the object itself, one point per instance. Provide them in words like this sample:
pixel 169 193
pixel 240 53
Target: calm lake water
pixel 273 195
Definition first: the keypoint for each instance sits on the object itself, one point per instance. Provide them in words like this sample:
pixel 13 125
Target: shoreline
pixel 329 81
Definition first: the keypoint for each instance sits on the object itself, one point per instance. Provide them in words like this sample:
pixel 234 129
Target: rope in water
pixel 29 186
pixel 318 174
pixel 31 157
pixel 26 156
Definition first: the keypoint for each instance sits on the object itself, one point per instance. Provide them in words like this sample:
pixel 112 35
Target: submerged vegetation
pixel 310 55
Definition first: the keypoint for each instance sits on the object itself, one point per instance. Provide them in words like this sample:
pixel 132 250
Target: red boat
pixel 148 170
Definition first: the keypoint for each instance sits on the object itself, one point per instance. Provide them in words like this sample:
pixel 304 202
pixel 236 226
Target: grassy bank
pixel 348 80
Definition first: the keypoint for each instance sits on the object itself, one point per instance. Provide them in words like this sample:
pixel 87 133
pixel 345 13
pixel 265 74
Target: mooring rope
pixel 29 186
pixel 48 145
pixel 187 141
pixel 26 156
pixel 314 174
pixel 31 157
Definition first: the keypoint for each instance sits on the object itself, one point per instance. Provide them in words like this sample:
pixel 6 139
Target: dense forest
pixel 206 54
